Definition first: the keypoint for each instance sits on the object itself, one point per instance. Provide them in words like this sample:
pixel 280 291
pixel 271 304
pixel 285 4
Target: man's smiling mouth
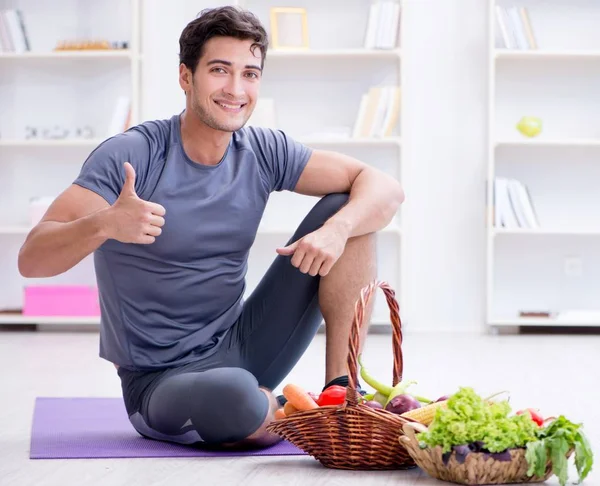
pixel 230 107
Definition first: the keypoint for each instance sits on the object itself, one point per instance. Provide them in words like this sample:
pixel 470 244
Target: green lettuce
pixel 469 418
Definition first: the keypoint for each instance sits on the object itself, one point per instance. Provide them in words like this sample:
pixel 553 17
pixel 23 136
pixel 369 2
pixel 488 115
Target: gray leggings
pixel 218 400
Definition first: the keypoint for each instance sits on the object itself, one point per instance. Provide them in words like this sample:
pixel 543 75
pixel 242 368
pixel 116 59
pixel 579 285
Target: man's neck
pixel 202 144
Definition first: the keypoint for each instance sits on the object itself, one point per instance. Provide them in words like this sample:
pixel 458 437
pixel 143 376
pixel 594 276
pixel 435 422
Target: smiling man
pixel 170 210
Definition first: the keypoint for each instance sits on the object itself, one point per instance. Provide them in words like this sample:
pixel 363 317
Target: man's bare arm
pixel 79 221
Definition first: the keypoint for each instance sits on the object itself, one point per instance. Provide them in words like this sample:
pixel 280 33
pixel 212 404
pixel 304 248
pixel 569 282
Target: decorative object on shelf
pixel 537 314
pixel 61 300
pixel 90 45
pixel 58 132
pixel 289 28
pixel 530 126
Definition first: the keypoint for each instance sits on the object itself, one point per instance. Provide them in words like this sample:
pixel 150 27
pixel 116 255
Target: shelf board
pixel 14 229
pixel 340 53
pixel 22 143
pixel 267 231
pixel 94 142
pixel 546 54
pixel 99 54
pixel 567 142
pixel 545 321
pixel 24 230
pixel 345 141
pixel 17 318
pixel 547 231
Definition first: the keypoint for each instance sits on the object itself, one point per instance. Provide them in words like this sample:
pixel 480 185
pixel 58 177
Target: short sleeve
pixel 103 171
pixel 283 157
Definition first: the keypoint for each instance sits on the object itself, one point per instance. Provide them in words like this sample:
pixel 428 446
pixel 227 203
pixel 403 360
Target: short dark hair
pixel 228 21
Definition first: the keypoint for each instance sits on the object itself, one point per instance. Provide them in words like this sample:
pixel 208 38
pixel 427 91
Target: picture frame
pixel 289 28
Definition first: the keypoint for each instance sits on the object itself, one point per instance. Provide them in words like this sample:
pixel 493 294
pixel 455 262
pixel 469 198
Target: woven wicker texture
pixel 478 468
pixel 354 436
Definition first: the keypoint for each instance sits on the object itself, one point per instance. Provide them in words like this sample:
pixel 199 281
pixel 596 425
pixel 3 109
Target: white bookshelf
pixel 58 90
pixel 317 94
pixel 553 266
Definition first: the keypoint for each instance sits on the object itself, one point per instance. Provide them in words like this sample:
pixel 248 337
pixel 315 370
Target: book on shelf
pixel 515 27
pixel 378 112
pixel 513 206
pixel 382 25
pixel 13 34
pixel 121 117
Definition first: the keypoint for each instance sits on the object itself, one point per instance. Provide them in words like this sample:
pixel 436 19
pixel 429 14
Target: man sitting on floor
pixel 171 208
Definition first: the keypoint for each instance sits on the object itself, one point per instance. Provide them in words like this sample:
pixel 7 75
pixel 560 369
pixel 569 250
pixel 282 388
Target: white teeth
pixel 232 107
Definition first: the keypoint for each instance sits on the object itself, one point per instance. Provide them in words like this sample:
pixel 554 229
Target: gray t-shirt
pixel 170 302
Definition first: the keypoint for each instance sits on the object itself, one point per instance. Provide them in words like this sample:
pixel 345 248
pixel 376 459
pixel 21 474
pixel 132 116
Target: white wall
pixel 444 76
pixel 445 99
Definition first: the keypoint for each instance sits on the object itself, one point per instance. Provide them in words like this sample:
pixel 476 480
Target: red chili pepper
pixel 535 416
pixel 333 395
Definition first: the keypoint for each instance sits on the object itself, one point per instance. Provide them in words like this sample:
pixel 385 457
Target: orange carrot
pixel 289 409
pixel 279 414
pixel 298 397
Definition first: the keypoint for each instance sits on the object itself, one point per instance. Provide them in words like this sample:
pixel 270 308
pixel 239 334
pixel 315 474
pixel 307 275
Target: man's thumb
pixel 288 250
pixel 129 185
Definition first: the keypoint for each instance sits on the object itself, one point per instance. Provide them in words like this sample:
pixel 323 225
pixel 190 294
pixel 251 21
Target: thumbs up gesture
pixel 133 219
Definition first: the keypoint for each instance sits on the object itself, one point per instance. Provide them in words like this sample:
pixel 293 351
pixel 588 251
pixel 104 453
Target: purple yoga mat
pixel 88 428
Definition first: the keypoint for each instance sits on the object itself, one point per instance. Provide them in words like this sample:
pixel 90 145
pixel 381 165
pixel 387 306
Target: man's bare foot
pixel 261 438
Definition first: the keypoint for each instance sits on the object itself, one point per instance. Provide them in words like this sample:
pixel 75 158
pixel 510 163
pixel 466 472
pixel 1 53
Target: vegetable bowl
pixel 477 441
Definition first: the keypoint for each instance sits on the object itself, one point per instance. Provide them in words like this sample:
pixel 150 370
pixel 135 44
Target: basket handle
pixel 359 315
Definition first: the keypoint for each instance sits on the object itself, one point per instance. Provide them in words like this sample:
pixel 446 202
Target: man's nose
pixel 235 87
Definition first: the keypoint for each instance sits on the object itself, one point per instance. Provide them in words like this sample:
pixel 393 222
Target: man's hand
pixel 317 252
pixel 133 220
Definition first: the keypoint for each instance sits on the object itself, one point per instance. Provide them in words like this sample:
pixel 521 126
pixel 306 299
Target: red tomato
pixel 535 416
pixel 333 395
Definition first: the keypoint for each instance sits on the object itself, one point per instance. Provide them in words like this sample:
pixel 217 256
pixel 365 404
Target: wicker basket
pixel 353 436
pixel 478 468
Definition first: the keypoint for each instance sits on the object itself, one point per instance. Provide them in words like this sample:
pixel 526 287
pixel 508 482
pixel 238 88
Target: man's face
pixel 224 88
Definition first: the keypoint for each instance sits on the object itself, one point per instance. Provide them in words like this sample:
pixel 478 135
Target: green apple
pixel 530 126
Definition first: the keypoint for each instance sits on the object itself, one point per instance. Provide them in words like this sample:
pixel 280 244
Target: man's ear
pixel 185 77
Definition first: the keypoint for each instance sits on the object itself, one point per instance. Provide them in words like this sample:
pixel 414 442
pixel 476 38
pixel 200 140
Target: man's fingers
pixel 307 263
pixel 156 209
pixel 146 240
pixel 153 230
pixel 157 220
pixel 316 266
pixel 288 250
pixel 326 267
pixel 129 185
pixel 297 258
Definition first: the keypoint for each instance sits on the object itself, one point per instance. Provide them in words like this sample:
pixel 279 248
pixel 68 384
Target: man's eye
pixel 253 75
pixel 219 69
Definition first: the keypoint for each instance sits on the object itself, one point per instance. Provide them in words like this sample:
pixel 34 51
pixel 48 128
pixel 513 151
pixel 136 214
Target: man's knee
pixel 330 204
pixel 324 209
pixel 234 407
